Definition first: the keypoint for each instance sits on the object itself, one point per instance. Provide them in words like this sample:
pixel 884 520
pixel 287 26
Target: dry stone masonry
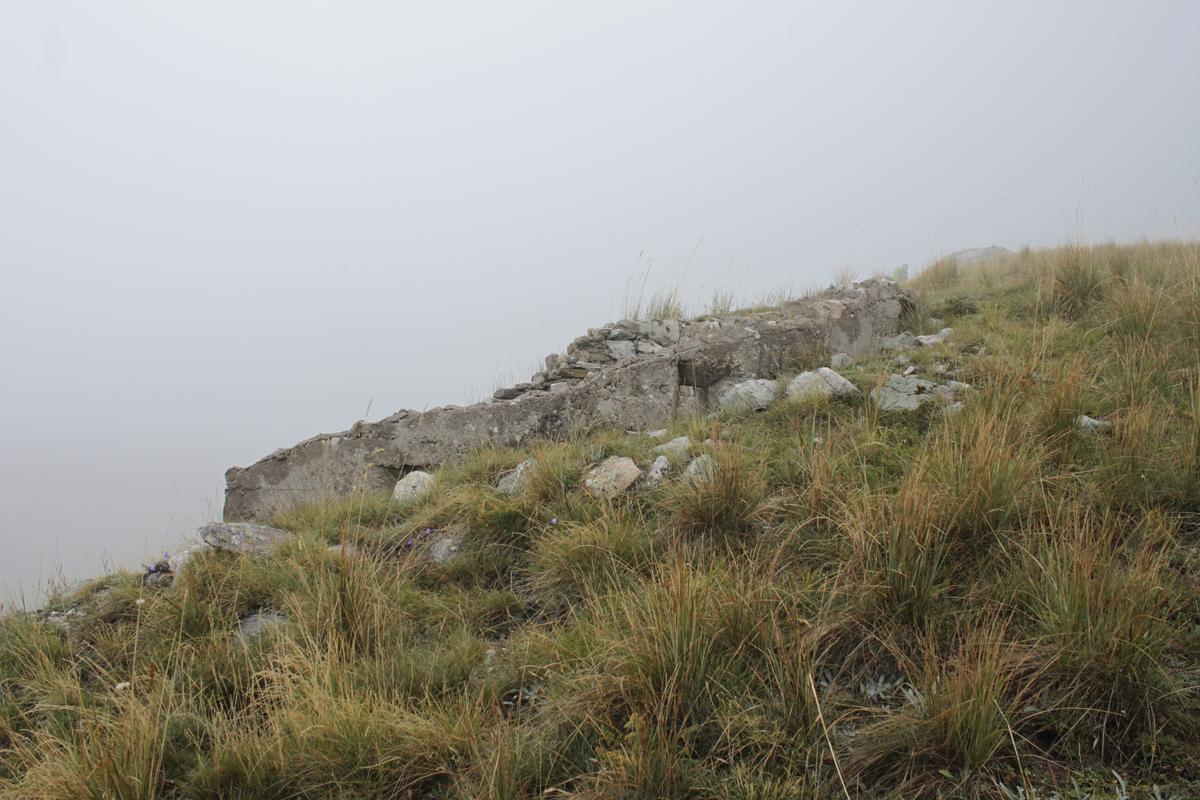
pixel 635 374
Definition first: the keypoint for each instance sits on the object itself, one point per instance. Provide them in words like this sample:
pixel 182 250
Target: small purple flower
pixel 428 531
pixel 554 520
pixel 410 541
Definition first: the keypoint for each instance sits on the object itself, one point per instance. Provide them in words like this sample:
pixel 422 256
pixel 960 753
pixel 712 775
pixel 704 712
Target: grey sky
pixel 227 226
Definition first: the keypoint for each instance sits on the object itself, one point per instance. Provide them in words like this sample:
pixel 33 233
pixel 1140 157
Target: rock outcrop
pixel 635 374
pixel 976 255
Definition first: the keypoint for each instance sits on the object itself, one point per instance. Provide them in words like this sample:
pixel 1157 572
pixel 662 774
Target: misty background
pixel 225 227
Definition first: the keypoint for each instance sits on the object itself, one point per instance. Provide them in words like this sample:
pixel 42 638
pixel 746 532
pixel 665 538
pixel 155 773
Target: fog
pixel 225 227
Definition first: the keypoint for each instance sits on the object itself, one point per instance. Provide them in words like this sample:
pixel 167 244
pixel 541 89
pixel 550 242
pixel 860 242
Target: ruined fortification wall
pixel 634 374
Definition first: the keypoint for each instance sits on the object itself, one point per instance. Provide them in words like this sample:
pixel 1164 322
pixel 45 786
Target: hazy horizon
pixel 230 227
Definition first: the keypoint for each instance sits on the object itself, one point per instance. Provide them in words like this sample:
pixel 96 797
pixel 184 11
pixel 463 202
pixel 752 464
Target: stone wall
pixel 633 374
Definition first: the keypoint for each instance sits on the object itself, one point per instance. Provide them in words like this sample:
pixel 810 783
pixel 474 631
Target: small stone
pixel 244 538
pixel 514 481
pixel 1092 426
pixel 179 560
pixel 903 394
pixel 622 348
pixel 509 393
pixel 911 369
pixel 613 476
pixel 259 623
pixel 678 448
pixel 703 467
pixel 664 332
pixel 756 394
pixel 412 486
pixel 658 471
pixel 820 383
pixel 443 548
pixel 658 434
pixel 934 339
pixel 841 361
pixel 901 361
pixel 900 341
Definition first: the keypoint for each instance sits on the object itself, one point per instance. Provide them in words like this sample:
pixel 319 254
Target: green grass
pixel 989 604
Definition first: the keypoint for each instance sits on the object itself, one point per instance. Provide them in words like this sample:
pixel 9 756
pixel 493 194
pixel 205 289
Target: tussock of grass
pixel 724 502
pixel 987 604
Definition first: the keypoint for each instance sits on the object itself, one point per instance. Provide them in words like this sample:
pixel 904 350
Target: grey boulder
pixel 756 394
pixel 820 383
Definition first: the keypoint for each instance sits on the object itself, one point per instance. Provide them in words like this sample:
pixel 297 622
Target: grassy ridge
pixel 991 603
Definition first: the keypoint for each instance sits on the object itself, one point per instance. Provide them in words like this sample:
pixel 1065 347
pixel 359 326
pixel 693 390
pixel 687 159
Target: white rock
pixel 757 394
pixel 658 471
pixel 702 467
pixel 514 481
pixel 621 349
pixel 841 361
pixel 1092 426
pixel 679 447
pixel 934 339
pixel 412 486
pixel 664 331
pixel 612 476
pixel 903 394
pixel 259 623
pixel 658 434
pixel 178 561
pixel 443 548
pixel 822 382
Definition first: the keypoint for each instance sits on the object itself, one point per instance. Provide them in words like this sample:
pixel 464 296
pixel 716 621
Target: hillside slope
pixel 992 595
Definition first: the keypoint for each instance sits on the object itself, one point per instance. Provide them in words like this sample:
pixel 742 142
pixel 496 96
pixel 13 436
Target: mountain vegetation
pixel 995 597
